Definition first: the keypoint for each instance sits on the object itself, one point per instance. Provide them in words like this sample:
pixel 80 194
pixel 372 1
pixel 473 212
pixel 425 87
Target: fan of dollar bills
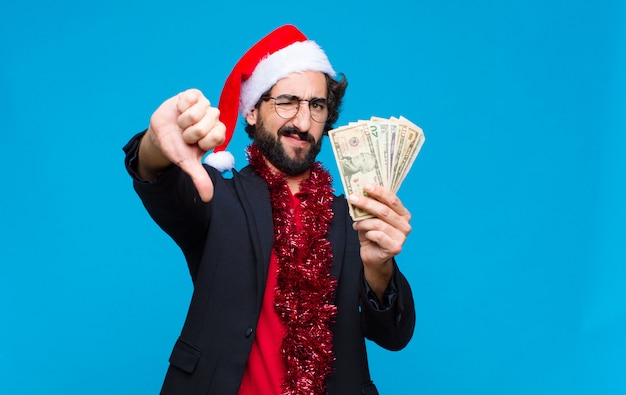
pixel 379 151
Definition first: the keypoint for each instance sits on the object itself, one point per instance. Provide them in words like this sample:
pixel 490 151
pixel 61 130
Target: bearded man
pixel 286 287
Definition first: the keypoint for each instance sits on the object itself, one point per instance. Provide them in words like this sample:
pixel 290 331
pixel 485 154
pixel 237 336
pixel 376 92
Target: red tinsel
pixel 305 287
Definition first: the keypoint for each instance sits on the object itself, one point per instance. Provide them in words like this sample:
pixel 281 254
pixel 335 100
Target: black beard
pixel 272 149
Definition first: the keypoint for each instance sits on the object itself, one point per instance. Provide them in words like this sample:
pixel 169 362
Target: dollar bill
pixel 415 139
pixel 393 142
pixel 380 151
pixel 401 141
pixel 382 141
pixel 357 160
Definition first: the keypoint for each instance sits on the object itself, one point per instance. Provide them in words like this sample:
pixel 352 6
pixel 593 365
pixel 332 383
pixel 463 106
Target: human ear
pixel 251 117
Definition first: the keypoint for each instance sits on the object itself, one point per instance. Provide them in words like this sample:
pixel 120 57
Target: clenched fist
pixel 181 131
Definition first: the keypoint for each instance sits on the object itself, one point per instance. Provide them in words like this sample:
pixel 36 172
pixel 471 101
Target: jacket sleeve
pixel 172 201
pixel 389 323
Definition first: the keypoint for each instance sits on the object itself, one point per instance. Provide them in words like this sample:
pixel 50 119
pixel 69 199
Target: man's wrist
pixel 385 300
pixel 379 278
pixel 150 159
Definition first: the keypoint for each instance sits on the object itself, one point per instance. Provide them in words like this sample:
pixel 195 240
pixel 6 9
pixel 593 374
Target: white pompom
pixel 222 161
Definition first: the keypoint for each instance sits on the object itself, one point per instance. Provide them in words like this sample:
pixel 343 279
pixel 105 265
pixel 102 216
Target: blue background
pixel 517 257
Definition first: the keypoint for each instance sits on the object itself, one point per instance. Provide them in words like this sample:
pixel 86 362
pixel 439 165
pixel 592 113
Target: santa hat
pixel 284 51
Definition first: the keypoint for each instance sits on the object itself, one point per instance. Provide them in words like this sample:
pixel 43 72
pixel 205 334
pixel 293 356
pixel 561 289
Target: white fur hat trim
pixel 297 57
pixel 222 160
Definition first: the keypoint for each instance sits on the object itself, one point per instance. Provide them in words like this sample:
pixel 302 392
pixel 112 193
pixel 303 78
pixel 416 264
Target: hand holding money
pixel 379 151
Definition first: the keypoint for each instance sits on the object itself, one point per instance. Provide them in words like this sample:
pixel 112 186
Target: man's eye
pixel 318 105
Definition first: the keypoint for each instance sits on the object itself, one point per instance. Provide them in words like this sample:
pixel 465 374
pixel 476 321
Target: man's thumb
pixel 200 179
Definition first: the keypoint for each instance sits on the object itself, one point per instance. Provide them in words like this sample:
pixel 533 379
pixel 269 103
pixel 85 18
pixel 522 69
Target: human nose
pixel 302 119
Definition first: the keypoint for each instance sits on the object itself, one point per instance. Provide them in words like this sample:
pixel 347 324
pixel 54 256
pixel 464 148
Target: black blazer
pixel 227 244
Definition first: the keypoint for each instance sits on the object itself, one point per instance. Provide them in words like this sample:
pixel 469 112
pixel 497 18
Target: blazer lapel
pixel 255 200
pixel 337 235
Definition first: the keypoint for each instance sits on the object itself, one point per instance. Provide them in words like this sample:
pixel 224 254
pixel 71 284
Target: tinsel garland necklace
pixel 305 288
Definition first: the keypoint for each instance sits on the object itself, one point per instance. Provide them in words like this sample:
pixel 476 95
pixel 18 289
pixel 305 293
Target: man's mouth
pixel 294 133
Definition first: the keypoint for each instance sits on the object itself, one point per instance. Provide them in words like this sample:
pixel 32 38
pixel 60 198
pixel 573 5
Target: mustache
pixel 291 130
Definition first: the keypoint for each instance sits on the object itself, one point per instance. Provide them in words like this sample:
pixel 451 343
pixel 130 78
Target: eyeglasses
pixel 287 106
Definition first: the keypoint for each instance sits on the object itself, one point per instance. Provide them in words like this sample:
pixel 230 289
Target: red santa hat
pixel 284 51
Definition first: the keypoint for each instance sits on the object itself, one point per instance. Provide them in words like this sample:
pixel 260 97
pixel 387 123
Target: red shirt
pixel 265 369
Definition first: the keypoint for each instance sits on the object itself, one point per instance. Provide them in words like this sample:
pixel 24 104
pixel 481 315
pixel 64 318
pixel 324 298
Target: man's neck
pixel 293 182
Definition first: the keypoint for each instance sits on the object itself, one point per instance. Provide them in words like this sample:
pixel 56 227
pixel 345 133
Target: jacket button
pixel 249 331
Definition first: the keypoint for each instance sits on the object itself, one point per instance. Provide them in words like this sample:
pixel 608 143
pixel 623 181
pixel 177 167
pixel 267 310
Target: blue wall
pixel 517 258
